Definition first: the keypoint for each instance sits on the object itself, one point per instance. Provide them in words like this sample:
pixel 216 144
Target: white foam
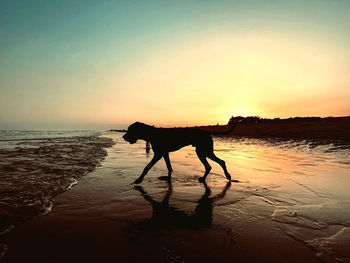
pixel 74 182
pixel 6 230
pixel 48 210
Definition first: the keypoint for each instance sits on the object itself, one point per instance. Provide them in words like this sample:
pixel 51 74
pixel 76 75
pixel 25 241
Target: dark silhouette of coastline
pixel 328 128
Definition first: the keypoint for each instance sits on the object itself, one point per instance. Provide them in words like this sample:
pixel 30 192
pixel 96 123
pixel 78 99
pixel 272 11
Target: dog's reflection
pixel 167 217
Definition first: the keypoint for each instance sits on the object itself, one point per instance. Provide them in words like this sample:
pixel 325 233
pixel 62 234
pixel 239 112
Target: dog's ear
pixel 140 123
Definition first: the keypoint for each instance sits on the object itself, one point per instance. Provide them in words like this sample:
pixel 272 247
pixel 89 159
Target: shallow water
pixel 35 166
pixel 300 189
pixel 290 195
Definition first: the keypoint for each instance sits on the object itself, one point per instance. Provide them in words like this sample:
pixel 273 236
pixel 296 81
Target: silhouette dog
pixel 165 140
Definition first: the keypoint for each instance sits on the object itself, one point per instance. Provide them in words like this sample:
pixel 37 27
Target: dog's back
pixel 176 138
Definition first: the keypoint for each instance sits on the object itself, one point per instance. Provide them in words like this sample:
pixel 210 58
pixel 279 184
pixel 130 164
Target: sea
pixel 35 166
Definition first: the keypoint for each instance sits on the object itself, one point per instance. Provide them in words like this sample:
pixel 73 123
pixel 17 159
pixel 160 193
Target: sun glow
pixel 171 63
pixel 214 78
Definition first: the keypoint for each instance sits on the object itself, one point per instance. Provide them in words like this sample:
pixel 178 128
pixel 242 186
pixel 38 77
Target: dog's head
pixel 135 131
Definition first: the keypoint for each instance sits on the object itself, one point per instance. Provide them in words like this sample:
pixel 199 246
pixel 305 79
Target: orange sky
pixel 70 65
pixel 200 81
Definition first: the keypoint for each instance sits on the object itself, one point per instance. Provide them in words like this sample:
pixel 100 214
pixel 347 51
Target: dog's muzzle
pixel 128 139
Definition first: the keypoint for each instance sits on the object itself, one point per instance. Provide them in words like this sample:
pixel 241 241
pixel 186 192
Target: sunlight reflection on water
pixel 302 186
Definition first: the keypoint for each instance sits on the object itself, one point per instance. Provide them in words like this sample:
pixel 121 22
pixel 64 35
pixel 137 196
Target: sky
pixel 106 64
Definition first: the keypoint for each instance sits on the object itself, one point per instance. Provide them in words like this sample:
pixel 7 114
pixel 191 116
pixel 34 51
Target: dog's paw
pixel 234 180
pixel 137 181
pixel 201 179
pixel 163 178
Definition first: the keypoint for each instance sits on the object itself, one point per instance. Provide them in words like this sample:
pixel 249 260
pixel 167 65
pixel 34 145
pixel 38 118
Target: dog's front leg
pixel 155 159
pixel 168 164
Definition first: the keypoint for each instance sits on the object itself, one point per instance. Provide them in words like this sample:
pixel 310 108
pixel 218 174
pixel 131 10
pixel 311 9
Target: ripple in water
pixel 33 171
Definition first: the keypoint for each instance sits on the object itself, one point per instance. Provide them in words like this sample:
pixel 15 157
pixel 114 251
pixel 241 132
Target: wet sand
pixel 291 205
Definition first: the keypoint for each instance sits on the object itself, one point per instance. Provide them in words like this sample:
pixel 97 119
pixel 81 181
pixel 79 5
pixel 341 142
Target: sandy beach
pixel 291 205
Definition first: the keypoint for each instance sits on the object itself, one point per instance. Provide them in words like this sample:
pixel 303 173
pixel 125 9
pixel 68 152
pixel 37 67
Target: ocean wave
pixel 19 135
pixel 33 172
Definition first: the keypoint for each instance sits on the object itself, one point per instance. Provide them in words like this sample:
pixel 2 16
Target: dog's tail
pixel 233 125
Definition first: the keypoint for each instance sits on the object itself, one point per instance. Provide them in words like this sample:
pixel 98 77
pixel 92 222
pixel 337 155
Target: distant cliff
pixel 335 128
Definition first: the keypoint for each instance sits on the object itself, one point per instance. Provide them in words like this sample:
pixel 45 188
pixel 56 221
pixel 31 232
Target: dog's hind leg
pixel 203 159
pixel 168 164
pixel 155 159
pixel 213 157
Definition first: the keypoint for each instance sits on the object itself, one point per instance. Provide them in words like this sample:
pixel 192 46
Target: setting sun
pixel 233 74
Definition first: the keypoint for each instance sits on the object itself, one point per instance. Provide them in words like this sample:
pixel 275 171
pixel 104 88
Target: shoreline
pixel 34 172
